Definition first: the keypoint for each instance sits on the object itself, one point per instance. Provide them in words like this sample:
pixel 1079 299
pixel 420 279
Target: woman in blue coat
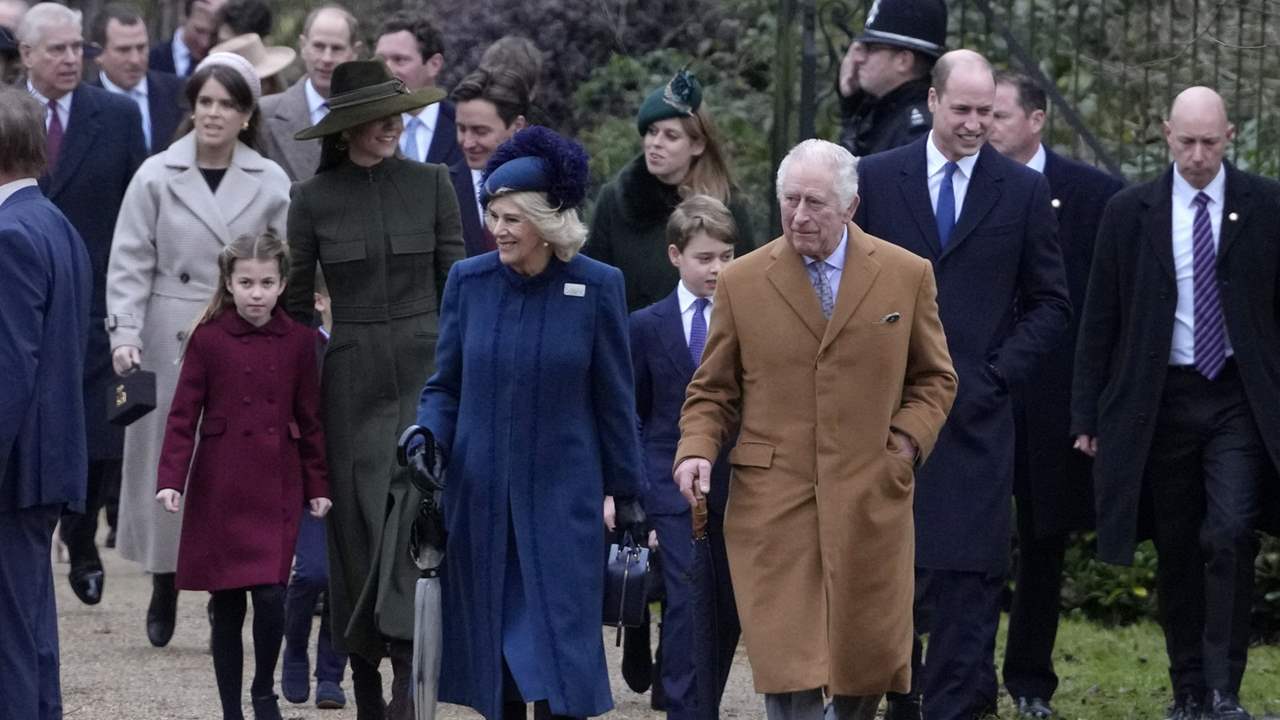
pixel 532 402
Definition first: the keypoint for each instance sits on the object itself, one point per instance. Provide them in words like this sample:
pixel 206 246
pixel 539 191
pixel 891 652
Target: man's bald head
pixel 1198 134
pixel 961 99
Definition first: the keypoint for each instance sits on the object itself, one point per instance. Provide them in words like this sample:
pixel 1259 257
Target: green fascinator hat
pixel 680 97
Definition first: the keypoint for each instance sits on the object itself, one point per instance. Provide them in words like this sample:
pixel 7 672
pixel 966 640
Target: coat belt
pixel 383 313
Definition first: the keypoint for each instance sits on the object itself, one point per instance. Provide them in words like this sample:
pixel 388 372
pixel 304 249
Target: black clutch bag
pixel 624 585
pixel 131 397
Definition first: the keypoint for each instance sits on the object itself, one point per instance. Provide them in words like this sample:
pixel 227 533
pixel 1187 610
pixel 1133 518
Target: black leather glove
pixel 630 518
pixel 418 451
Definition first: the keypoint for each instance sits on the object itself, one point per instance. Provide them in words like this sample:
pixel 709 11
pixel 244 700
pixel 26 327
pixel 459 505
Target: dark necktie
pixel 54 146
pixel 946 212
pixel 1210 327
pixel 698 330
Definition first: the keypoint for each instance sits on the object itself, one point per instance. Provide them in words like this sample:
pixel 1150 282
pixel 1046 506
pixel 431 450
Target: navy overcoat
pixel 1002 297
pixel 533 401
pixel 44 293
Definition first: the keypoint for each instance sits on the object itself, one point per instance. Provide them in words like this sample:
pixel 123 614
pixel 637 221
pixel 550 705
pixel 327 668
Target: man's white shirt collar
pixel 315 103
pixel 428 116
pixel 1037 161
pixel 139 90
pixel 935 160
pixel 836 258
pixel 63 103
pixel 182 59
pixel 686 298
pixel 1185 195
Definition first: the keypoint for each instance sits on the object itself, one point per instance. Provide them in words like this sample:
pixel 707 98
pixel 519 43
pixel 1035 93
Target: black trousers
pixel 1033 617
pixel 79 530
pixel 1203 483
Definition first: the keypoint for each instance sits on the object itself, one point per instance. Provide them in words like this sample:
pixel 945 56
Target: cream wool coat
pixel 819 525
pixel 162 272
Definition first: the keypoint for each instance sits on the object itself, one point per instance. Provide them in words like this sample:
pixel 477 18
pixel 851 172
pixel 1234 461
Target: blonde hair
pixel 709 172
pixel 246 247
pixel 701 213
pixel 561 229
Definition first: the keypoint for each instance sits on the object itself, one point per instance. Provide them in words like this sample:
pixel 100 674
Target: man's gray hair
pixel 843 164
pixel 43 16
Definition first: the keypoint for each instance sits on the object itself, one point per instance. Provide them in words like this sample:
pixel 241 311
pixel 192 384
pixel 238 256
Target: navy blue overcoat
pixel 44 293
pixel 1002 297
pixel 533 400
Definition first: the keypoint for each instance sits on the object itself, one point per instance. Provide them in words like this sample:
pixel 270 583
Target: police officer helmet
pixel 919 25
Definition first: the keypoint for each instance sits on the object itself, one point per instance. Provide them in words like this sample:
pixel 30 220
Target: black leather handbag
pixel 624 585
pixel 131 397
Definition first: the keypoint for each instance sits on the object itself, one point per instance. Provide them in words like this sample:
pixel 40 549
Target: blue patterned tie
pixel 1210 327
pixel 822 285
pixel 946 212
pixel 698 330
pixel 410 145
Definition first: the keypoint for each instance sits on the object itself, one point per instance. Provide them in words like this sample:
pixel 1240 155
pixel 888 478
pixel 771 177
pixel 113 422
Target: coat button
pixel 1151 356
pixel 247 400
pixel 271 401
pixel 247 432
pixel 1142 419
pixel 182 335
pixel 185 278
pixel 244 341
pixel 271 431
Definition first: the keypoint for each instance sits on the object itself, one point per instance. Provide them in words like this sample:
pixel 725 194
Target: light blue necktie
pixel 946 212
pixel 410 145
pixel 698 330
pixel 822 285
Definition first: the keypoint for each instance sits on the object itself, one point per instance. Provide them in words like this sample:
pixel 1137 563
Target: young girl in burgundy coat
pixel 249 387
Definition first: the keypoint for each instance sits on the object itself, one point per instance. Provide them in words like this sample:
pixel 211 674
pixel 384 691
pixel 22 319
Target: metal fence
pixel 1111 67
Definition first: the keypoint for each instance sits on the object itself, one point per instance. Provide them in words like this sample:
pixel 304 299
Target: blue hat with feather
pixel 537 159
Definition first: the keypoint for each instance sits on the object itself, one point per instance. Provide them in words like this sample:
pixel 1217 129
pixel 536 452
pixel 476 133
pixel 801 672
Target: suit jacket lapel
pixel 1235 211
pixel 982 195
pixel 294 114
pixel 1157 221
pixel 914 184
pixel 860 271
pixel 1061 184
pixel 82 131
pixel 791 280
pixel 671 330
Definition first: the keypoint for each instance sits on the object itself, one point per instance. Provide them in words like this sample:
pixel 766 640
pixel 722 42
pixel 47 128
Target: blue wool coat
pixel 533 401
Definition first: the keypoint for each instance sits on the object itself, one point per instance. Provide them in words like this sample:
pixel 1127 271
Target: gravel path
pixel 110 671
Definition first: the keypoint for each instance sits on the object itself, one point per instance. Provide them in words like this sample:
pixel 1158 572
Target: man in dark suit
pixel 413 49
pixel 1051 480
pixel 180 54
pixel 987 224
pixel 330 37
pixel 667 340
pixel 94 146
pixel 491 107
pixel 1176 394
pixel 44 290
pixel 121 37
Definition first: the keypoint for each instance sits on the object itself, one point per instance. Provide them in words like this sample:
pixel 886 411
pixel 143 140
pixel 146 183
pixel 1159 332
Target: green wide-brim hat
pixel 362 91
pixel 680 97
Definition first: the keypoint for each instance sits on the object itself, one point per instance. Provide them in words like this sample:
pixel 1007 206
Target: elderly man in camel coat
pixel 826 348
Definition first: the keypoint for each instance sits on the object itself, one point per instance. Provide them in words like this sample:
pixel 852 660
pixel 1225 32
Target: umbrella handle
pixel 699 515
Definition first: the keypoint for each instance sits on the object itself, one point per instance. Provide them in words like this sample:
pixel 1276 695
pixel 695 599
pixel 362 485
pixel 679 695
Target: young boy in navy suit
pixel 667 340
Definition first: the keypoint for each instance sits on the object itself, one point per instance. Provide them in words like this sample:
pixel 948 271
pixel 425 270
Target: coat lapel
pixel 791 280
pixel 190 188
pixel 671 329
pixel 1236 210
pixel 241 184
pixel 914 184
pixel 982 195
pixel 1157 221
pixel 860 271
pixel 82 132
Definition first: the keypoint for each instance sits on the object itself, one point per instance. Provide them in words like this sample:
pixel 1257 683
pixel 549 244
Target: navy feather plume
pixel 566 162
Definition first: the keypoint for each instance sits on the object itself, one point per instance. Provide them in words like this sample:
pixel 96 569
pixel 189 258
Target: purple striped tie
pixel 698 330
pixel 1210 326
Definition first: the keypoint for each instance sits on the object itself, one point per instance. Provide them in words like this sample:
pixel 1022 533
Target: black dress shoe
pixel 903 707
pixel 1184 707
pixel 87 585
pixel 163 609
pixel 1033 707
pixel 1225 706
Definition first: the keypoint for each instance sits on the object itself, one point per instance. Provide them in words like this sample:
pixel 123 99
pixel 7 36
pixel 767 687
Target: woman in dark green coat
pixel 681 157
pixel 384 231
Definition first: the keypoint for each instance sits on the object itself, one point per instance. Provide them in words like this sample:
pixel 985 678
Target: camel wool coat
pixel 819 526
pixel 162 273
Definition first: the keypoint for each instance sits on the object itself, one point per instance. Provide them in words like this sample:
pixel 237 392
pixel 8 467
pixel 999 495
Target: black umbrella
pixel 706 620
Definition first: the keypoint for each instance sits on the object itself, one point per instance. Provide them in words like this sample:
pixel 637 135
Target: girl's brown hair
pixel 246 247
pixel 708 173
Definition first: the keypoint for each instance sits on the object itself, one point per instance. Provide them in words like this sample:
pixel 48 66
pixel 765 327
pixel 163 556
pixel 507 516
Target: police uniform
pixel 872 124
